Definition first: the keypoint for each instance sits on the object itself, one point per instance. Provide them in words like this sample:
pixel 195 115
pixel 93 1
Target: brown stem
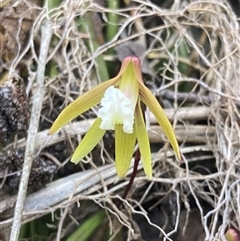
pixel 134 173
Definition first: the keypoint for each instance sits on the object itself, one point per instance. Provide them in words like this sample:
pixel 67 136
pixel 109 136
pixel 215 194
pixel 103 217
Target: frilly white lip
pixel 116 109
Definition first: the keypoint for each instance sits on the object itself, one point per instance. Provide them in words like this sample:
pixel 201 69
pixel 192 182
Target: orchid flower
pixel 120 99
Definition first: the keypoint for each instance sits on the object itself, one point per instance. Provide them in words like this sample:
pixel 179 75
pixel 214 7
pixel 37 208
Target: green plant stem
pixel 113 19
pixel 88 26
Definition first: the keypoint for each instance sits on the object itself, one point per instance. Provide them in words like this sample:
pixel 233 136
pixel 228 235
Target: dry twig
pixel 38 96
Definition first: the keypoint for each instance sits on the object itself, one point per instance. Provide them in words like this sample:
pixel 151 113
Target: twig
pixel 187 97
pixel 189 114
pixel 38 95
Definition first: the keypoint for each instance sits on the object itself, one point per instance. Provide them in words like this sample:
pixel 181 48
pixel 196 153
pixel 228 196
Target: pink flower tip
pixel 135 60
pixel 232 235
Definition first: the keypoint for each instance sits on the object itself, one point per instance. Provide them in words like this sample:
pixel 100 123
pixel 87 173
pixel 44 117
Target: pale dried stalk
pixel 38 95
pixel 184 113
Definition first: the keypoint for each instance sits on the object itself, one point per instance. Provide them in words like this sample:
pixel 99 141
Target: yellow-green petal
pixel 124 147
pixel 90 140
pixel 81 104
pixel 137 69
pixel 143 140
pixel 150 101
pixel 129 84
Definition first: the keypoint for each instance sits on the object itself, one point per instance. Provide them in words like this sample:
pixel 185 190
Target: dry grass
pixel 190 53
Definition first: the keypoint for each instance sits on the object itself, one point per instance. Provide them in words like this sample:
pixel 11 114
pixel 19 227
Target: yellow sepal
pixel 150 101
pixel 90 140
pixel 143 140
pixel 124 147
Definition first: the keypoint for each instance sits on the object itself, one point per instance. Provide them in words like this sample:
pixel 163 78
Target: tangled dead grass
pixel 190 54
